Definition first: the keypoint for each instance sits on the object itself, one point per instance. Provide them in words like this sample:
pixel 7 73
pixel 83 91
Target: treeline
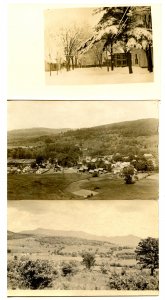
pixel 127 138
pixel 65 153
pixel 144 127
pixel 100 146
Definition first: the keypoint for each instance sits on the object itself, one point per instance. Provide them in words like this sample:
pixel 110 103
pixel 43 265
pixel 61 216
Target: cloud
pixel 104 217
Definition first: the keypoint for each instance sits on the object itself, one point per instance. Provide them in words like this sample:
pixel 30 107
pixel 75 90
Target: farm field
pixel 71 186
pixel 41 187
pixel 61 260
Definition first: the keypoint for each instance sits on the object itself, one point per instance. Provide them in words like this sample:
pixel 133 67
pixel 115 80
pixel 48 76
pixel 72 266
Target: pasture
pixel 70 186
pixel 115 267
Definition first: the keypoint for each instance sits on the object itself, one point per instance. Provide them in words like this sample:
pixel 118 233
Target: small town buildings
pixel 148 156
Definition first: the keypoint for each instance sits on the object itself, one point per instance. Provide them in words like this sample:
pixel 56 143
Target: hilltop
pixel 128 240
pixel 135 127
pixel 19 135
pixel 137 136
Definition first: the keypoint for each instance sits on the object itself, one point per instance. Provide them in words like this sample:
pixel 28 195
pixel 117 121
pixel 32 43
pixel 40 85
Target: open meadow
pixel 67 186
pixel 69 263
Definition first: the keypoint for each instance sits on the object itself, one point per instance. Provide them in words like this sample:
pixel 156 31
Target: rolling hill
pixel 16 235
pixel 136 127
pixel 33 132
pixel 129 240
pixel 137 136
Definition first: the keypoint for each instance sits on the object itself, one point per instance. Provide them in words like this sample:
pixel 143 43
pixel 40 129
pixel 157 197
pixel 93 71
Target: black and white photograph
pixel 70 247
pixel 98 45
pixel 81 159
pixel 98 150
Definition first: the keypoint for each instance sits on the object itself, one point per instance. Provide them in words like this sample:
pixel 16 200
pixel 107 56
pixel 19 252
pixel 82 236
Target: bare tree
pixel 98 53
pixel 71 39
pixel 53 51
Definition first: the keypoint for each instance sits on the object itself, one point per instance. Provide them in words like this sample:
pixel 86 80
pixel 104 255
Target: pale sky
pixel 108 218
pixel 76 114
pixel 58 21
pixel 64 17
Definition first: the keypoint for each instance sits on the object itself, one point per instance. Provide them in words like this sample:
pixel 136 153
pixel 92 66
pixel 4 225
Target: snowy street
pixel 99 76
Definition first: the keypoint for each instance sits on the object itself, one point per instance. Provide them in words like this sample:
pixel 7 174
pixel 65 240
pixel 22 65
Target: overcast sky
pixel 76 114
pixel 57 18
pixel 109 218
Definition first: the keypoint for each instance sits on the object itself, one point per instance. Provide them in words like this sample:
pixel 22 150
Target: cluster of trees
pixel 62 44
pixel 66 154
pixel 121 139
pixel 99 164
pixel 144 165
pixel 21 153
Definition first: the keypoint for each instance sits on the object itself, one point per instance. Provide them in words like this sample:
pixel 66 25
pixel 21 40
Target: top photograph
pixel 104 45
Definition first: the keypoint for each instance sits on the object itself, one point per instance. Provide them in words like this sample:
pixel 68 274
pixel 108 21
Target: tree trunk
pixel 76 61
pixel 152 271
pixel 50 69
pixel 57 67
pixel 101 60
pixel 108 65
pixel 149 59
pixel 107 60
pixel 72 60
pixel 112 62
pixel 129 62
pixel 68 63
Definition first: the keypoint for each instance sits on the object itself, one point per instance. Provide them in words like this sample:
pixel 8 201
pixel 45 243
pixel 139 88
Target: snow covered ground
pixel 99 76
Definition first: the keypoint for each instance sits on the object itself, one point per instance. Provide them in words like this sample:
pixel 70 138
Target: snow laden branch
pixel 125 27
pixel 97 37
pixel 139 38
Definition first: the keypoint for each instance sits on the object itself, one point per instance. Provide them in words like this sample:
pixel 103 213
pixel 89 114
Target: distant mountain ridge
pixel 138 127
pixel 35 132
pixel 128 240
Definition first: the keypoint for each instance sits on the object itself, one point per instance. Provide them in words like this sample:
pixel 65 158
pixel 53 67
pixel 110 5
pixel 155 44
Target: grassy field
pixel 41 187
pixel 116 189
pixel 66 272
pixel 63 186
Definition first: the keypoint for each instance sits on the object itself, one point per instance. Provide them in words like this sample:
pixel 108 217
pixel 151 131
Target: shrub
pixel 14 279
pixel 114 264
pixel 123 271
pixel 95 174
pixel 74 254
pixel 26 273
pixel 133 281
pixel 69 268
pixel 96 188
pixel 88 260
pixel 104 269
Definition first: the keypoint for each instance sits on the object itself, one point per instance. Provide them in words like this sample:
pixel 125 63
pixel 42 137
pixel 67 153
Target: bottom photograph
pixel 83 248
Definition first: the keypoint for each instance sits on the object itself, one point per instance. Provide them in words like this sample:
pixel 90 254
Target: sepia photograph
pixel 99 150
pixel 114 250
pixel 101 45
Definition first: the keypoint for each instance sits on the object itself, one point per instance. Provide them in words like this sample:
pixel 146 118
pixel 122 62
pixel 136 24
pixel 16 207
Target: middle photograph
pixel 97 150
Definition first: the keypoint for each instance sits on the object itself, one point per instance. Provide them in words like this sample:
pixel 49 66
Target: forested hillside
pixel 127 138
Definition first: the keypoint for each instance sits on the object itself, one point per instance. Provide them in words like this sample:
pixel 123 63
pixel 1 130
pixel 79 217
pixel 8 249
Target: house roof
pixel 20 161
